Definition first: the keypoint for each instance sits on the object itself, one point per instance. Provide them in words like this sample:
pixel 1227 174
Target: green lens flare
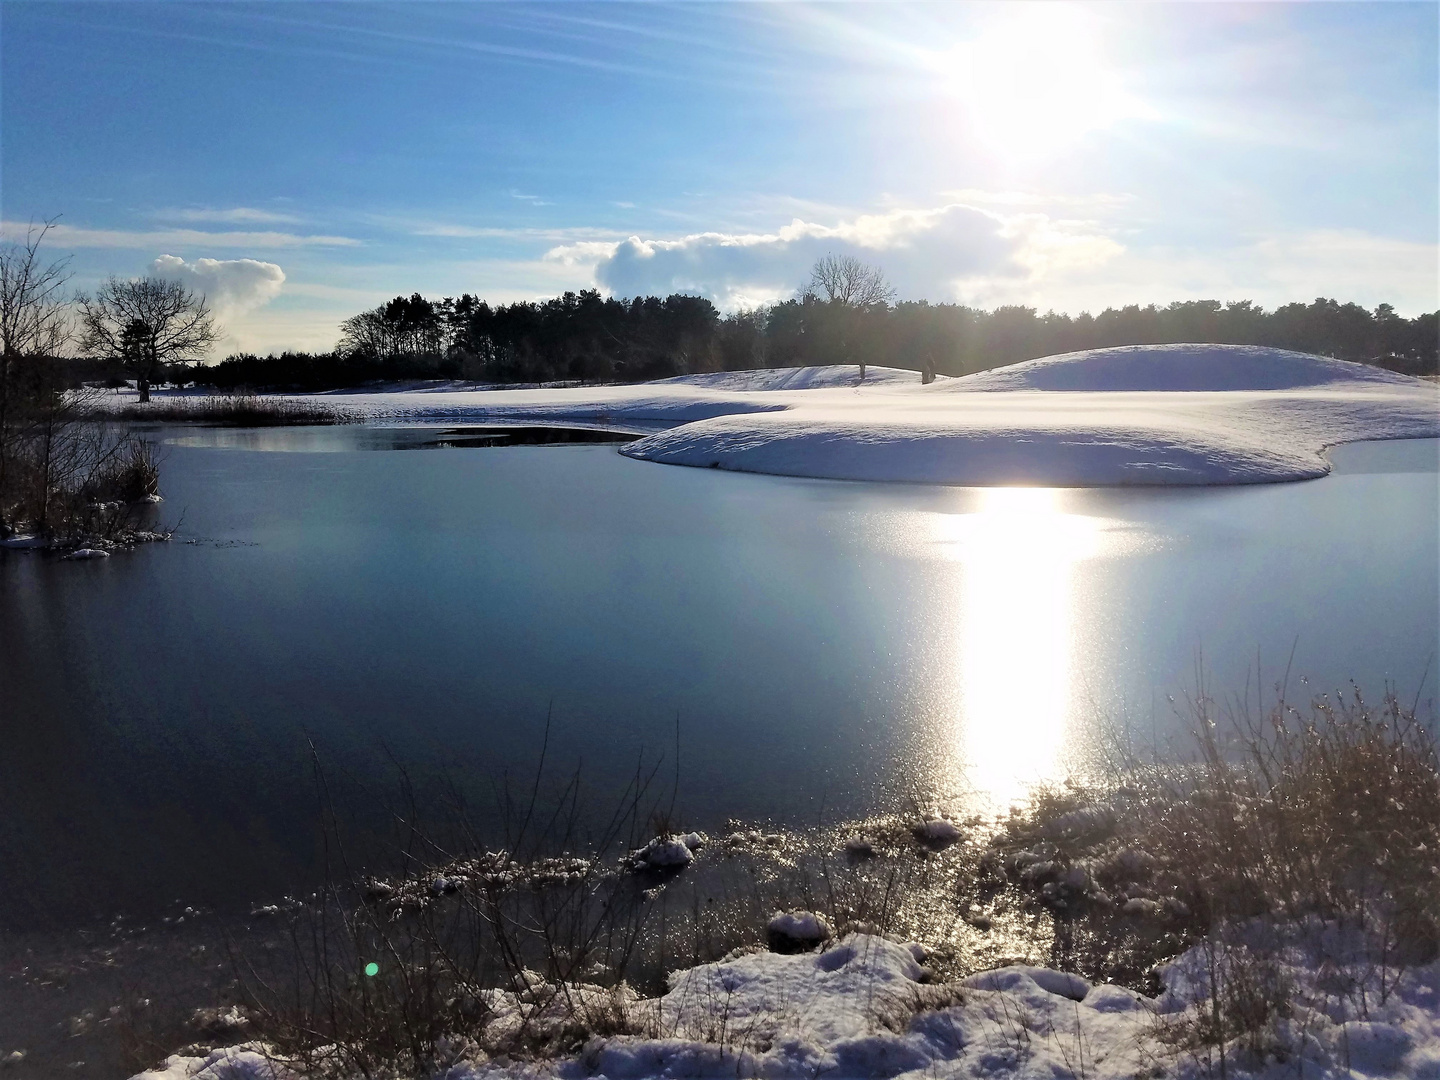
pixel 372 969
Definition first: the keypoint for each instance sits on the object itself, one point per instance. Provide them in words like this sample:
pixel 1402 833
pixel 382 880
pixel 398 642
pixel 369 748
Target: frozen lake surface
pixel 827 646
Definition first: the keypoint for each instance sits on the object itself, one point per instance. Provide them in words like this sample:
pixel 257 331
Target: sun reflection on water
pixel 1017 555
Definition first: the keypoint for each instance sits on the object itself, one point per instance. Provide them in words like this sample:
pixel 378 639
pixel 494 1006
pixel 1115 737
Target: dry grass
pixel 1314 828
pixel 235 410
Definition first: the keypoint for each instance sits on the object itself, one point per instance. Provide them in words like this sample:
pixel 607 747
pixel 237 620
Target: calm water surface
pixel 824 645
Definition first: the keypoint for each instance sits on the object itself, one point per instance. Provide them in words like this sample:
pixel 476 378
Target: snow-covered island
pixel 1137 415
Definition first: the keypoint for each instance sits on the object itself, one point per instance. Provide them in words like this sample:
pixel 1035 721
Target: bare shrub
pixel 71 476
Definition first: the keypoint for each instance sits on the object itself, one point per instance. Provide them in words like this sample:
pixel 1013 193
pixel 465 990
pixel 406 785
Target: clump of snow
pixel 859 847
pixel 88 553
pixel 793 931
pixel 220 1021
pixel 24 543
pixel 752 839
pixel 666 852
pixel 937 832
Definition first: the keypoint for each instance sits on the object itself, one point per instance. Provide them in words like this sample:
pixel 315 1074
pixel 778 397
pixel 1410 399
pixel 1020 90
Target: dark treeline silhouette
pixel 584 336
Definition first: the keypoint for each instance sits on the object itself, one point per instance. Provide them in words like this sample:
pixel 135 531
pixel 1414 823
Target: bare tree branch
pixel 33 314
pixel 844 279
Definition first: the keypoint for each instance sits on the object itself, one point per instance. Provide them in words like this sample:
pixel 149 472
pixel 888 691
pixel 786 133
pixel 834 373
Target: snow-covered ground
pixel 864 1008
pixel 1163 414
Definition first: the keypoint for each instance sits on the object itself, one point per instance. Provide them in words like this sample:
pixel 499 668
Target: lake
pixel 431 600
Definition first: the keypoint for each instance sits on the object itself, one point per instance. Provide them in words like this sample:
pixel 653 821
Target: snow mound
pixel 1150 415
pixel 1176 368
pixel 797 378
pixel 801 927
pixel 1022 978
pixel 665 853
pixel 88 553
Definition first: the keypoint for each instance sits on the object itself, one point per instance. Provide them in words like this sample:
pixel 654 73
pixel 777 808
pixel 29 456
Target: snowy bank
pixel 865 1008
pixel 1163 414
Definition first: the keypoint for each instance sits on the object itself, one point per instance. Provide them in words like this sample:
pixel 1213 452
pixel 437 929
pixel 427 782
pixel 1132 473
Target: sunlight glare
pixel 1037 81
pixel 1017 555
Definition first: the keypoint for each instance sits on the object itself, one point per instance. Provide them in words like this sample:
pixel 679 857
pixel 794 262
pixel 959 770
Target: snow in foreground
pixel 1162 414
pixel 862 1009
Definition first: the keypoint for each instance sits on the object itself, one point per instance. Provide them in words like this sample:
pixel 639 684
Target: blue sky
pixel 302 161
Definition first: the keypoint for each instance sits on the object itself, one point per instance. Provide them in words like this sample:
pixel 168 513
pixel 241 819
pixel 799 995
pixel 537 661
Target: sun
pixel 1037 81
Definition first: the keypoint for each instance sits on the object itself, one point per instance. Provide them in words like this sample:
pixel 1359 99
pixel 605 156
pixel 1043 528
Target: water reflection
pixel 1018 555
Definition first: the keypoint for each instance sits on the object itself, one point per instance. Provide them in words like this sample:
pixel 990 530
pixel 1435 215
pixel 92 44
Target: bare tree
pixel 146 323
pixel 844 279
pixel 33 324
pixel 849 287
pixel 32 305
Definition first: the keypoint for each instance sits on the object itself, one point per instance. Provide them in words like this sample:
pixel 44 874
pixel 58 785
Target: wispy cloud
pixel 559 234
pixel 71 236
pixel 237 215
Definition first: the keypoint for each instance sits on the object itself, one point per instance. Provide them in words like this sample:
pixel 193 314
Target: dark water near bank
pixel 824 645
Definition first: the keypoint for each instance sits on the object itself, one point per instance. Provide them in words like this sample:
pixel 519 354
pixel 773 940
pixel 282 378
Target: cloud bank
pixel 942 253
pixel 1060 254
pixel 232 286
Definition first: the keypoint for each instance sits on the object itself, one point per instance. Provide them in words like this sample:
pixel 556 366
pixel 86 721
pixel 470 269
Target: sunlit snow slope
pixel 1164 414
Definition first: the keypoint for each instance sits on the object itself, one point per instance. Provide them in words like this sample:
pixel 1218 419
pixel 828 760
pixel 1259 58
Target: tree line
pixel 152 329
pixel 584 336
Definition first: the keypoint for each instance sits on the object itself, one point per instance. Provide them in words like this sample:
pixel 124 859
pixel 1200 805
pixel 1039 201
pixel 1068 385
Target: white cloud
pixel 937 253
pixel 232 286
